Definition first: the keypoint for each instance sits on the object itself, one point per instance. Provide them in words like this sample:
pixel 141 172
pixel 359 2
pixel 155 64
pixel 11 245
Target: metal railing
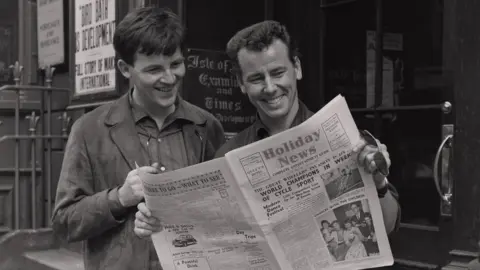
pixel 45 137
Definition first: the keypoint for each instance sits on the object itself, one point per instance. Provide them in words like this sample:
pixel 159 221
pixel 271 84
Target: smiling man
pixel 267 66
pixel 100 189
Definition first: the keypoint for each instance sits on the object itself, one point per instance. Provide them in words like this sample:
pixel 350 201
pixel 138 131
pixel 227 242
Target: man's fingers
pixel 366 150
pixel 382 147
pixel 140 216
pixel 138 188
pixel 149 169
pixel 154 222
pixel 143 225
pixel 142 207
pixel 387 158
pixel 359 146
pixel 145 169
pixel 142 232
pixel 372 166
pixel 146 215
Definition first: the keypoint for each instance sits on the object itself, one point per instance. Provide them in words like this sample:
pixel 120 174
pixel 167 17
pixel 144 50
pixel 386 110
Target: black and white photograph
pixel 348 232
pixel 105 104
pixel 342 180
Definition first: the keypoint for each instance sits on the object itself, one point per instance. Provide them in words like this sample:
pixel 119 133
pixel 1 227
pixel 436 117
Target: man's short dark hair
pixel 148 30
pixel 325 222
pixel 258 37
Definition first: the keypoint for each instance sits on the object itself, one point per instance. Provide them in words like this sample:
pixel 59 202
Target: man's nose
pixel 168 77
pixel 270 86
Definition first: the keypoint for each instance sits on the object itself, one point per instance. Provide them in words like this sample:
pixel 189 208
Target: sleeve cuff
pixel 116 208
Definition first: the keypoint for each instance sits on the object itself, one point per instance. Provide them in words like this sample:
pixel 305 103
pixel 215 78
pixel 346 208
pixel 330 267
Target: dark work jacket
pixel 102 148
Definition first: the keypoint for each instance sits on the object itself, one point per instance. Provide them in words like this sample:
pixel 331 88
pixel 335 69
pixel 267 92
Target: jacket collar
pixel 123 133
pixel 119 111
pixel 123 107
pixel 261 130
pixel 183 111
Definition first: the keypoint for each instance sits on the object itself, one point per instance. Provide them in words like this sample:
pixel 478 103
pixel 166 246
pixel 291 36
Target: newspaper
pixel 295 200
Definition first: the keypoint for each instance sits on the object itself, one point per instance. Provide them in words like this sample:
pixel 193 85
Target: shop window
pixel 8 39
pixel 211 23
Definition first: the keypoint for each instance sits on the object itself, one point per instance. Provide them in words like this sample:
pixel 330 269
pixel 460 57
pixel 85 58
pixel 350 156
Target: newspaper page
pixel 207 223
pixel 317 208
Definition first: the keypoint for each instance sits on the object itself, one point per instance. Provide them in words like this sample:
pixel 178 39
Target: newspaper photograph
pixel 316 207
pixel 207 223
pixel 348 231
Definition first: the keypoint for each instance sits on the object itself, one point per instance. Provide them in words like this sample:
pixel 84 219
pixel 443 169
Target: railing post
pixel 32 136
pixel 17 70
pixel 66 121
pixel 49 70
pixel 32 129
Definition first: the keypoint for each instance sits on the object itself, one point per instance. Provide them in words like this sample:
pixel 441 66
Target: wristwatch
pixel 383 191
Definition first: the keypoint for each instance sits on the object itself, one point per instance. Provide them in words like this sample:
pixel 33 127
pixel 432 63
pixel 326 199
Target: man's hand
pixel 131 193
pixel 366 159
pixel 145 223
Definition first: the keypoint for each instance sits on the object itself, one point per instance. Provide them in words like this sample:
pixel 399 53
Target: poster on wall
pixel 94 53
pixel 210 84
pixel 50 34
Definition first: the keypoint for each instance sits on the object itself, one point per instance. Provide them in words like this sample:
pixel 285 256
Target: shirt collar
pixel 303 113
pixel 182 111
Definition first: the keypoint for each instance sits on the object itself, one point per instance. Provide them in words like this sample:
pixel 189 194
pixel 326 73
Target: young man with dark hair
pixel 268 66
pixel 100 186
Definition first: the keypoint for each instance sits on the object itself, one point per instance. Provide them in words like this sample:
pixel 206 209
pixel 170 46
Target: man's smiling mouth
pixel 165 89
pixel 274 101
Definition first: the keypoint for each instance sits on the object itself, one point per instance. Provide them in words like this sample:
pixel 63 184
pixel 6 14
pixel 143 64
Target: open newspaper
pixel 296 200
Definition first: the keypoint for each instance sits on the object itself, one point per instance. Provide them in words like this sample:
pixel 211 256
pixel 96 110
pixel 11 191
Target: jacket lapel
pixel 193 138
pixel 123 133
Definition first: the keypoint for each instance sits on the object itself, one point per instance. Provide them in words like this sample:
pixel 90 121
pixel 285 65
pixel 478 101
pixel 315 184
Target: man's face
pixel 269 78
pixel 355 209
pixel 368 220
pixel 348 225
pixel 336 226
pixel 157 78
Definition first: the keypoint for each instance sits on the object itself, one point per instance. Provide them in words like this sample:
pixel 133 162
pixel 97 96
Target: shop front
pixel 422 103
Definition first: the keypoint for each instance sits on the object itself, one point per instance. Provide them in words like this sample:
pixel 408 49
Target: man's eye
pixel 255 80
pixel 177 63
pixel 277 73
pixel 153 70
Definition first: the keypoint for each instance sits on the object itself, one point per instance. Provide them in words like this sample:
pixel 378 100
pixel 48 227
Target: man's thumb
pixel 153 168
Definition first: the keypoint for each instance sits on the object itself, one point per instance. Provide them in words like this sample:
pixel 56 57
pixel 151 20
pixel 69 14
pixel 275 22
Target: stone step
pixel 74 247
pixel 21 263
pixel 56 259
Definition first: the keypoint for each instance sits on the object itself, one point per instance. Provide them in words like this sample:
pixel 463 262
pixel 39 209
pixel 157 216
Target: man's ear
pixel 298 68
pixel 124 68
pixel 242 87
pixel 240 83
